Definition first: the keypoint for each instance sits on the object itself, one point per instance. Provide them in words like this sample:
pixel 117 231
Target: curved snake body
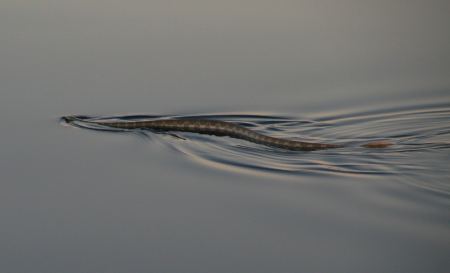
pixel 219 128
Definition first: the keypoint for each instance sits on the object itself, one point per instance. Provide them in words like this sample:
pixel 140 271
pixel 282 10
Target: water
pixel 76 200
pixel 349 129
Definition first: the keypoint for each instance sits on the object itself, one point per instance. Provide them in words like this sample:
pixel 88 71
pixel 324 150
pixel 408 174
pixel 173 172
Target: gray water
pixel 76 200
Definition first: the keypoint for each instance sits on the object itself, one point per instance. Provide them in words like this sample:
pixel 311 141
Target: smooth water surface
pixel 346 72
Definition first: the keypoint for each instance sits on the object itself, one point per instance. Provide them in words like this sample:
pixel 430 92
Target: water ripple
pixel 419 156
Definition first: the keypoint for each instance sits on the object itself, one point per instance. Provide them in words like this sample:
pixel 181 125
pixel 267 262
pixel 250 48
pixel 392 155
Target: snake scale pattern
pixel 218 128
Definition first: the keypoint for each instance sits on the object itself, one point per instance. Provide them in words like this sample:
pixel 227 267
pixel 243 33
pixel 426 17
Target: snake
pixel 219 128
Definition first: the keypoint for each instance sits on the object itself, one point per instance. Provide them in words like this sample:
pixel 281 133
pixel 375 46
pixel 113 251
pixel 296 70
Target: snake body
pixel 218 128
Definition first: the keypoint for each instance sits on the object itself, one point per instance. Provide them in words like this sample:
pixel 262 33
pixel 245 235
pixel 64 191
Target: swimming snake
pixel 218 128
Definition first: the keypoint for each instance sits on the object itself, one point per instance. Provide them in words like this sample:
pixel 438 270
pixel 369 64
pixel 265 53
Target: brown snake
pixel 219 128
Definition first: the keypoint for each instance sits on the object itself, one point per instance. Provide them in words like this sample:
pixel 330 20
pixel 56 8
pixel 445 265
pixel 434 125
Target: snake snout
pixel 68 119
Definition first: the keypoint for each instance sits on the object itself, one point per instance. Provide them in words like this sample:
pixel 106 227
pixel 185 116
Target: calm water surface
pixel 77 200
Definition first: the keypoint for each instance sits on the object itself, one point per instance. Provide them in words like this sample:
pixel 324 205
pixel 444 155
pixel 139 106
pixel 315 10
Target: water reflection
pixel 420 134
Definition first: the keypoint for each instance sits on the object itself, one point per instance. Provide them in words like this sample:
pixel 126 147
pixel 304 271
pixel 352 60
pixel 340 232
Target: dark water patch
pixel 420 133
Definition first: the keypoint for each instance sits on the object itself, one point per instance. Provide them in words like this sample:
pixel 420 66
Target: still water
pixel 79 200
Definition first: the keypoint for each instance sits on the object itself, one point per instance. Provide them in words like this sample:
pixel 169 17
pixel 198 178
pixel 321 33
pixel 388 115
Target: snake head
pixel 69 119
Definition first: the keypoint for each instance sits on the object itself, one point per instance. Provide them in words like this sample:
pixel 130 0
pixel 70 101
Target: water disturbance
pixel 377 142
